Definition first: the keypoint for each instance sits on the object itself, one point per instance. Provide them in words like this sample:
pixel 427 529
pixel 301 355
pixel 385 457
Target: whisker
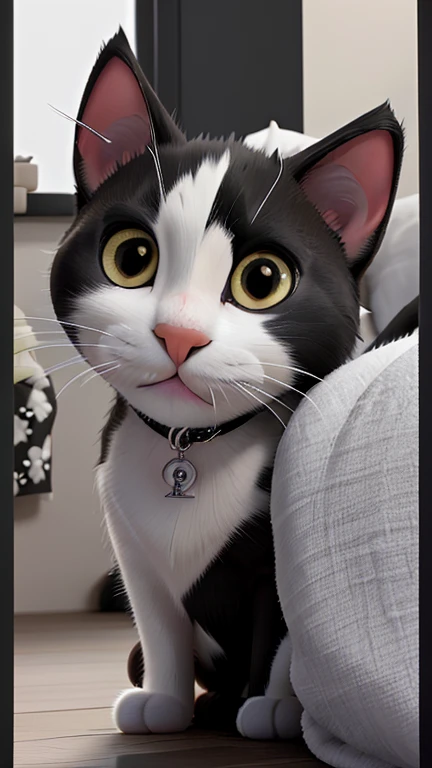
pixel 307 338
pixel 249 394
pixel 63 322
pixel 223 392
pixel 297 370
pixel 230 210
pixel 39 333
pixel 93 375
pixel 57 346
pixel 267 394
pixel 64 364
pixel 156 161
pixel 288 368
pixel 214 404
pixel 156 158
pixel 280 158
pixel 83 373
pixel 79 122
pixel 293 389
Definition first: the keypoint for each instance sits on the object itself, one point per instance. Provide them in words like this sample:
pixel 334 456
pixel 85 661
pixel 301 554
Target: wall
pixel 60 553
pixel 356 54
pixel 56 43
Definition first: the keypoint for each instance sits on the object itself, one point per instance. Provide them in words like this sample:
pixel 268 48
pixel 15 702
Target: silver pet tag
pixel 179 473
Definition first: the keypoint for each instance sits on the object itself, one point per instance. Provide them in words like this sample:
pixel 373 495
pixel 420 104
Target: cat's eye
pixel 130 258
pixel 261 280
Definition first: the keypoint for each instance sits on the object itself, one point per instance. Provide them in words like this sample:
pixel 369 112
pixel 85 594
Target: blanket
pixel 345 518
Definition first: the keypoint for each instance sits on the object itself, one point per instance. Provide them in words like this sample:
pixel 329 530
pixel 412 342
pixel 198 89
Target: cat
pixel 211 285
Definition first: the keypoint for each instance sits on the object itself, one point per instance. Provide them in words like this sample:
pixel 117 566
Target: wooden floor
pixel 68 670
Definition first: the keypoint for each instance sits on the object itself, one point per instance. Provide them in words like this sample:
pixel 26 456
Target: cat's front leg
pixel 165 702
pixel 277 714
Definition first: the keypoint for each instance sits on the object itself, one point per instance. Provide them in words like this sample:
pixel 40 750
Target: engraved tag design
pixel 180 474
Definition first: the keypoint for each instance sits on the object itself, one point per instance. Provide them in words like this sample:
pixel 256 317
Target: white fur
pixel 181 224
pixel 163 545
pixel 272 138
pixel 241 346
pixel 262 717
pixel 183 537
pixel 278 713
pixel 279 685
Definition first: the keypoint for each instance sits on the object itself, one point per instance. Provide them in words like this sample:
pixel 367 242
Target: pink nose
pixel 180 341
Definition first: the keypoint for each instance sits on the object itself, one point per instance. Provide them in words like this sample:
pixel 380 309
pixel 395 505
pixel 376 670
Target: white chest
pixel 183 536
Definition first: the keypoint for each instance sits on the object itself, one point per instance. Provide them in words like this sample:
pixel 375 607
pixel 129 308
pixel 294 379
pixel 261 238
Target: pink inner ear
pixel 351 187
pixel 116 108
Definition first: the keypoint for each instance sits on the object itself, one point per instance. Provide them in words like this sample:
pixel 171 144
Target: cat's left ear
pixel 351 178
pixel 118 103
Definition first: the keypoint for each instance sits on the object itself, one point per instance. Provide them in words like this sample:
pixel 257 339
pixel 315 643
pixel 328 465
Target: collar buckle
pixel 175 440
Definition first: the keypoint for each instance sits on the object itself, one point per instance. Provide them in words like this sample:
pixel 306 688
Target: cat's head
pixel 209 275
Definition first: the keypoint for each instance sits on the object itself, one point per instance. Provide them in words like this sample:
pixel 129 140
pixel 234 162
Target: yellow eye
pixel 261 280
pixel 130 258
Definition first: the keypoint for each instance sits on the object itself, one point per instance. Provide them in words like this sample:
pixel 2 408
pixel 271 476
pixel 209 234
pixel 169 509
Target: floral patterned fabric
pixel 35 411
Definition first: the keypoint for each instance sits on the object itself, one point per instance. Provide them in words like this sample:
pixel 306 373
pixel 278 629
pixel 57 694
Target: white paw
pixel 138 712
pixel 264 718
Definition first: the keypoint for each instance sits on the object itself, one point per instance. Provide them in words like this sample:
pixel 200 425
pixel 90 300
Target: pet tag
pixel 179 473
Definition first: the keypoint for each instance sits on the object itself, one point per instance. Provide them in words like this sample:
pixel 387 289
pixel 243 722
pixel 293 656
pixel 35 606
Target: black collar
pixel 193 435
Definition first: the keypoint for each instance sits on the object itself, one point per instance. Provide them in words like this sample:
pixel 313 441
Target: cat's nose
pixel 180 341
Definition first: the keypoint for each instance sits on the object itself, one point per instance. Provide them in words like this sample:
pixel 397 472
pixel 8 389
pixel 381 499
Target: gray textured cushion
pixel 344 510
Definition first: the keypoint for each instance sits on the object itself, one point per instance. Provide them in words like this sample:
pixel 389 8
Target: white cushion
pixel 392 280
pixel 345 519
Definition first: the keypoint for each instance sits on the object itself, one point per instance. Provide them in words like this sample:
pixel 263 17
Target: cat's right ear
pixel 119 104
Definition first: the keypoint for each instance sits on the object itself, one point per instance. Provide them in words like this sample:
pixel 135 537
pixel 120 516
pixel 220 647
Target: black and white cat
pixel 211 286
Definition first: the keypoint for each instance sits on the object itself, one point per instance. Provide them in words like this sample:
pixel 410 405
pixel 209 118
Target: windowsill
pixel 48 204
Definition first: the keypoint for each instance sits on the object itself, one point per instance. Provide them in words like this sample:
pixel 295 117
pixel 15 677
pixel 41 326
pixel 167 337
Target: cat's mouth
pixel 174 387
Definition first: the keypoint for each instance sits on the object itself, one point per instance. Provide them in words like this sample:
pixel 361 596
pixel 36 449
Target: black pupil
pixel 133 256
pixel 261 278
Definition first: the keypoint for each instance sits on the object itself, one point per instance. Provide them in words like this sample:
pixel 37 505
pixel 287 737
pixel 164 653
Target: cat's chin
pixel 172 403
pixel 174 387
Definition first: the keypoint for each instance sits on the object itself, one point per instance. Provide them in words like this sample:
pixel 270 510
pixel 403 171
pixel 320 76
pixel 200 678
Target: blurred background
pixel 311 65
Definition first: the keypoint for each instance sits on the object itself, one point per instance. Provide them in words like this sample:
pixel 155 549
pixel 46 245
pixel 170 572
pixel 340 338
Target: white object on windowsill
pixel 25 363
pixel 20 200
pixel 25 180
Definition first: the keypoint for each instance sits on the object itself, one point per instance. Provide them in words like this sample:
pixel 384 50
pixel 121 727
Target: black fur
pixel 115 420
pixel 405 323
